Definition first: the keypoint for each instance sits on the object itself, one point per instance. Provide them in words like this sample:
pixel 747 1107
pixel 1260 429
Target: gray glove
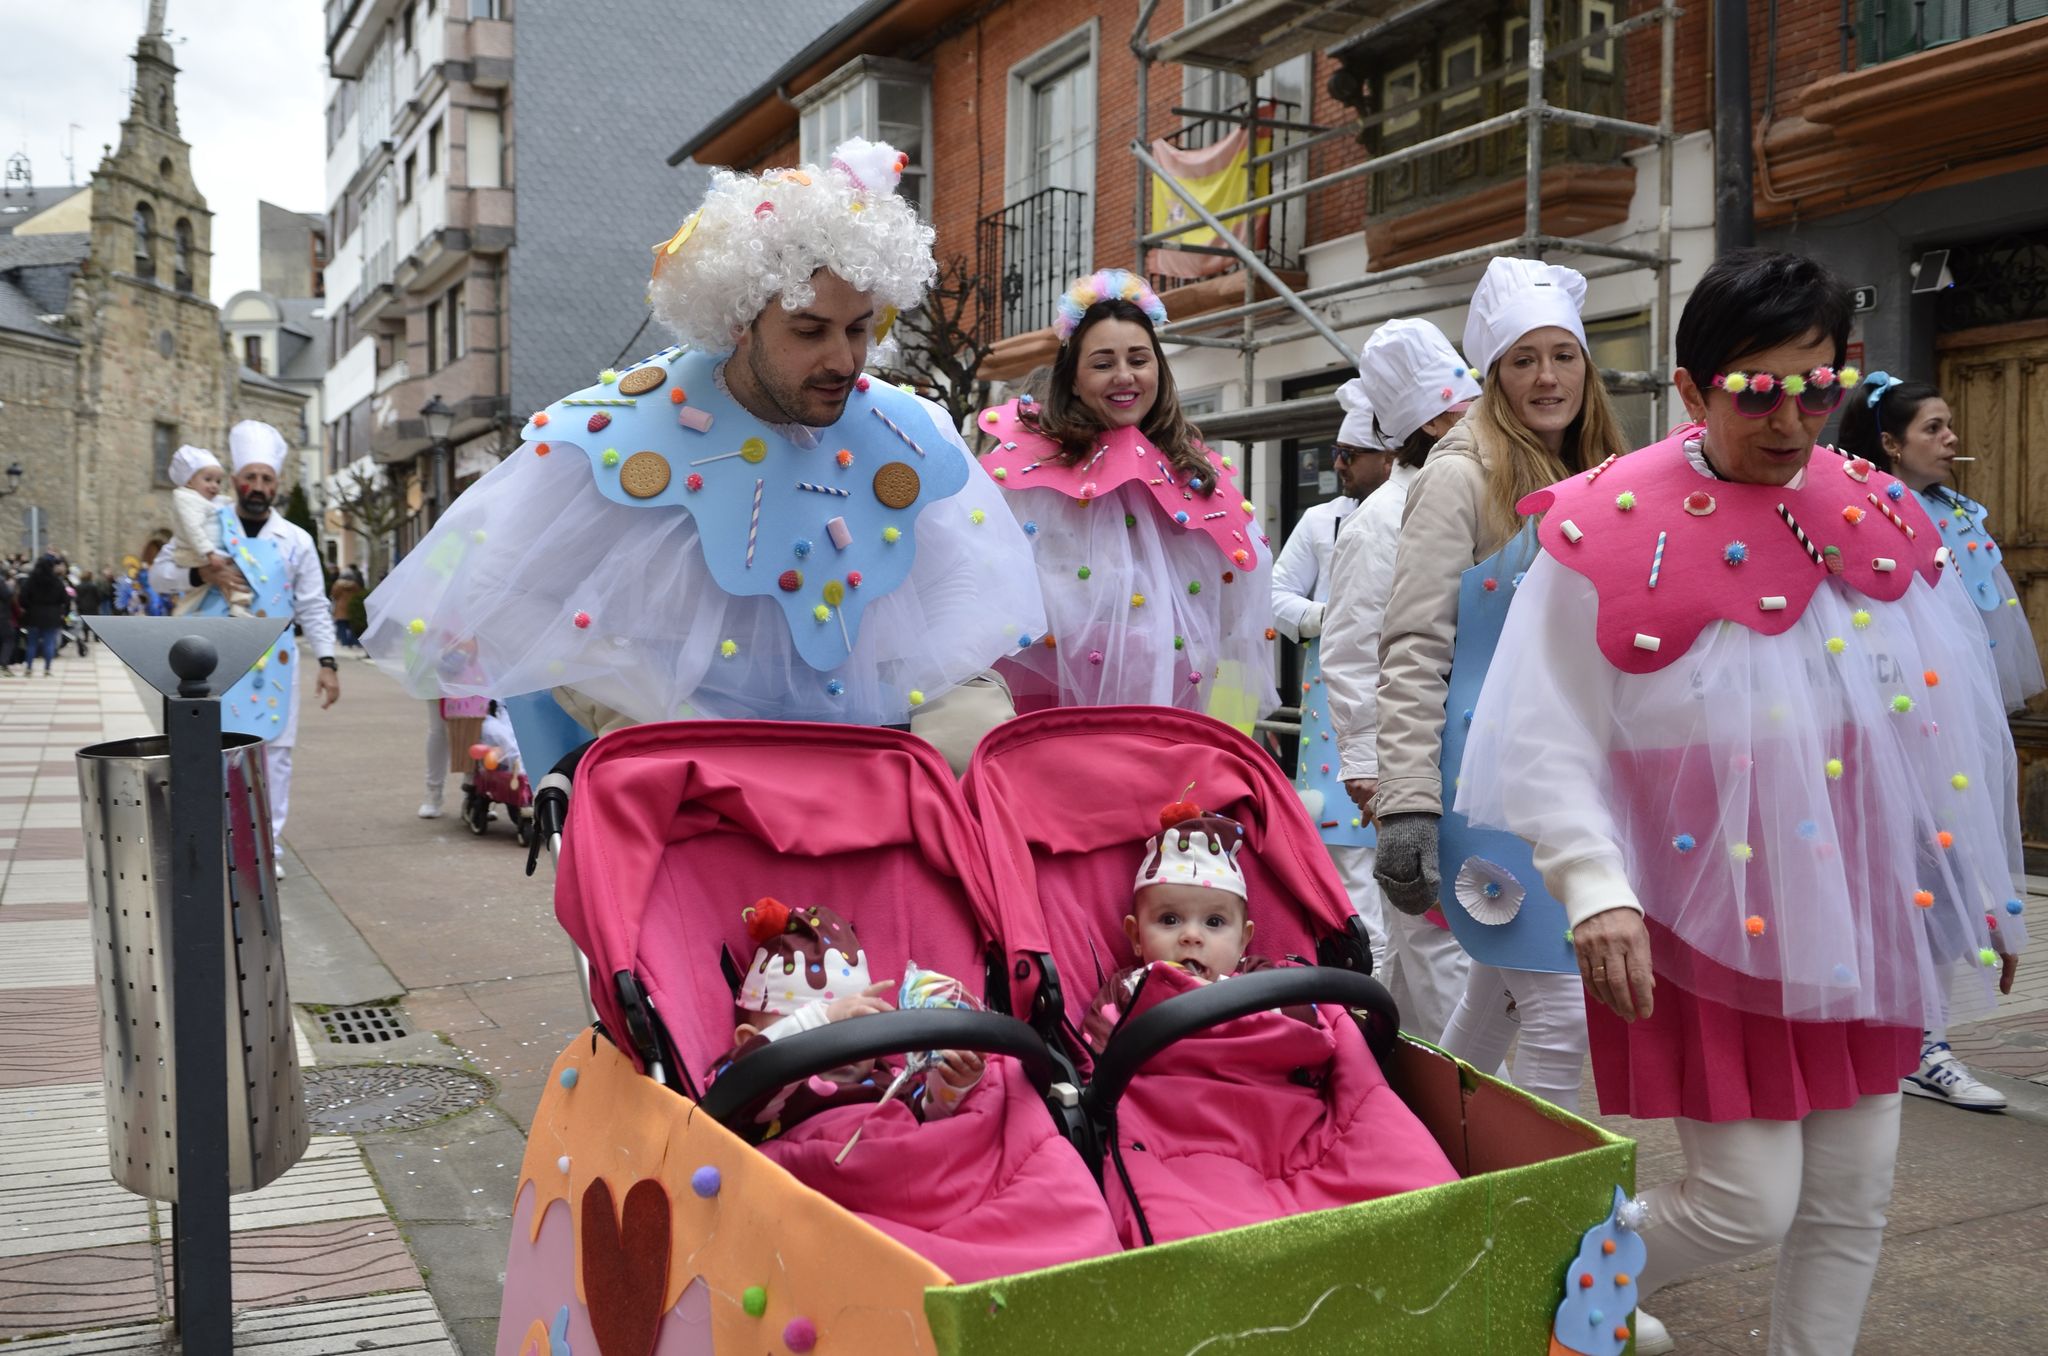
pixel 1405 864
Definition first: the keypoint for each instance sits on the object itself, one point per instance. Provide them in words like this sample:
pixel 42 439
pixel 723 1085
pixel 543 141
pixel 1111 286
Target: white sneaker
pixel 1941 1077
pixel 430 809
pixel 279 864
pixel 1651 1338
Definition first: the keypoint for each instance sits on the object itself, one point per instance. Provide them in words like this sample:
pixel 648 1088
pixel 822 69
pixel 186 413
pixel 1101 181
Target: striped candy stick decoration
pixel 1892 513
pixel 823 489
pixel 754 523
pixel 1805 542
pixel 1657 561
pixel 895 429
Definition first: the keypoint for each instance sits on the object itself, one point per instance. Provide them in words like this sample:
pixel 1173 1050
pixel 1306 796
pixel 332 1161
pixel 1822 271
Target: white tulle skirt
pixel 1141 611
pixel 488 604
pixel 1825 820
pixel 2013 651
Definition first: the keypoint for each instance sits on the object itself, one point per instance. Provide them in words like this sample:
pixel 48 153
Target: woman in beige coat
pixel 1543 415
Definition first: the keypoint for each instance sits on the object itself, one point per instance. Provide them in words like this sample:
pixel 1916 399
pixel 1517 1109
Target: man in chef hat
pixel 279 563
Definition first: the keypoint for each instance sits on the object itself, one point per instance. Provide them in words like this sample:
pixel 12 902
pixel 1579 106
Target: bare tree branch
pixel 945 341
pixel 373 505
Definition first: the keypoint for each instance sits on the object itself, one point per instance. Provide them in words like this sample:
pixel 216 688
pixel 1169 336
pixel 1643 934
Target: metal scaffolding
pixel 1246 38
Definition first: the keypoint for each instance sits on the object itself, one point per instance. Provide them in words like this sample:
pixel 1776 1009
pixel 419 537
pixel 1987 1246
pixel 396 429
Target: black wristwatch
pixel 327 662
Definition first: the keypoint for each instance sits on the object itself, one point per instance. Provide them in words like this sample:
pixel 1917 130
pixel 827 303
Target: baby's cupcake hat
pixel 1193 848
pixel 802 957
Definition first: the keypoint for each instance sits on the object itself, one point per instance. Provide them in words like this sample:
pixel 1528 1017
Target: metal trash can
pixel 125 787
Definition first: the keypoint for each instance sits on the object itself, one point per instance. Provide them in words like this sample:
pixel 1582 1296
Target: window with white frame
pixel 1403 86
pixel 1047 233
pixel 1596 16
pixel 1456 63
pixel 876 98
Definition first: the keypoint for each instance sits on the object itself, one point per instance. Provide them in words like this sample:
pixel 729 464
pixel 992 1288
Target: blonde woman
pixel 1542 416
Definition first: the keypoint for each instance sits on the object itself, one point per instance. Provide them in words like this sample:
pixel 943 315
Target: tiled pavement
pixel 84 1265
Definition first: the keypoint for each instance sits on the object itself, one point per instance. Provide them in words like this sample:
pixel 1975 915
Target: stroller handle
pixel 551 805
pixel 747 1086
pixel 1182 1015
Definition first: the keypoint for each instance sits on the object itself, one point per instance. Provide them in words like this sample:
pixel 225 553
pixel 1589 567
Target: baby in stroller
pixel 1261 1116
pixel 809 971
pixel 980 1185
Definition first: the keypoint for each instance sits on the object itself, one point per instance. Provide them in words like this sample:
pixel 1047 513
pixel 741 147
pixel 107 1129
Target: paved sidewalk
pixel 77 1252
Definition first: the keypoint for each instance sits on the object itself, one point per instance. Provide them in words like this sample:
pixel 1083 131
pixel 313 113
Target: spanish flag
pixel 1215 177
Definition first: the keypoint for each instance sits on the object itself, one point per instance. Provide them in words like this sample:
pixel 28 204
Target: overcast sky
pixel 251 101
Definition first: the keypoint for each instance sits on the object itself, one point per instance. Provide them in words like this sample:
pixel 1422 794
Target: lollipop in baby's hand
pixel 929 989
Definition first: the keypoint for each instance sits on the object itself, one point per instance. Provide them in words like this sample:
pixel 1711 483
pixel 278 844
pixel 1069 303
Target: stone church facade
pixel 111 352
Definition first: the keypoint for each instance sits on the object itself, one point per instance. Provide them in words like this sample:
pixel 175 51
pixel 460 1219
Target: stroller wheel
pixel 476 812
pixel 524 827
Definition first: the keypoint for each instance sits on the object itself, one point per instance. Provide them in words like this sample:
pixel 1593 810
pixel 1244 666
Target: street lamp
pixel 439 419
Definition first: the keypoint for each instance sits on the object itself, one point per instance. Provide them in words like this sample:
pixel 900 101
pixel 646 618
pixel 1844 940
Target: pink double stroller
pixel 675 828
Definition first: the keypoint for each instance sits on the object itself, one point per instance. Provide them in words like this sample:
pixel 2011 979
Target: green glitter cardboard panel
pixel 1476 1265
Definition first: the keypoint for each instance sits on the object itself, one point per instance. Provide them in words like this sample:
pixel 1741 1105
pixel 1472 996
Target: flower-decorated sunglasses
pixel 1758 394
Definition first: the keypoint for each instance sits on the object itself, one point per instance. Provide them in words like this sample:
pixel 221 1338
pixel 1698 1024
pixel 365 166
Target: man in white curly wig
pixel 745 525
pixel 792 270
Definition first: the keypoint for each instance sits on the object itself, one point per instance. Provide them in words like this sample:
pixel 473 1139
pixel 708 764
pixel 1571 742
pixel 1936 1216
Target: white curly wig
pixel 759 238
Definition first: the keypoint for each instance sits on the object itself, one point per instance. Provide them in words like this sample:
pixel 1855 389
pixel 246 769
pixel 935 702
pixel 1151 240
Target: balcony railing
pixel 1876 31
pixel 1032 249
pixel 1276 235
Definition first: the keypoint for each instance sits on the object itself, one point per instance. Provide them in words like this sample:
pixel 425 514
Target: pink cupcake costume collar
pixel 1670 551
pixel 1025 459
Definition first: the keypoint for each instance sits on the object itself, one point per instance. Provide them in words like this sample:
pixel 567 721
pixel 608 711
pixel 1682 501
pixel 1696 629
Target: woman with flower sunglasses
pixel 1758 749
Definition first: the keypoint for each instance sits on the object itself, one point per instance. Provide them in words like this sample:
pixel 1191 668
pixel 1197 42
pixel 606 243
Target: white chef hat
pixel 1412 375
pixel 253 442
pixel 1517 296
pixel 1357 430
pixel 188 461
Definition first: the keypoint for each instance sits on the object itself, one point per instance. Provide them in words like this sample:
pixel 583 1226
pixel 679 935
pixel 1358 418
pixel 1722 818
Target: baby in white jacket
pixel 196 502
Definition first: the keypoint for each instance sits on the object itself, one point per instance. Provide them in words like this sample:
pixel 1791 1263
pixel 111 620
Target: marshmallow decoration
pixel 871 166
pixel 1357 429
pixel 1517 296
pixel 1194 849
pixel 253 443
pixel 758 239
pixel 804 957
pixel 189 461
pixel 1412 374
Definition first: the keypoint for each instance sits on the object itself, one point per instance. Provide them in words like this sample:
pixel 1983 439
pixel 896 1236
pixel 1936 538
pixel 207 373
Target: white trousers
pixel 1354 868
pixel 437 753
pixel 1421 964
pixel 277 769
pixel 1548 1010
pixel 1819 1186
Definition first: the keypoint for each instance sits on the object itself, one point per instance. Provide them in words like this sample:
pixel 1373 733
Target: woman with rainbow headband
pixel 1906 428
pixel 1151 561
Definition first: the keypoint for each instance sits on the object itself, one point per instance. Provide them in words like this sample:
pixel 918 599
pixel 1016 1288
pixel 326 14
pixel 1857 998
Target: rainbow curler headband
pixel 1758 394
pixel 1105 285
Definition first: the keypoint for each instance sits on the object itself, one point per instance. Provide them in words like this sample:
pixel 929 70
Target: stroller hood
pixel 1066 798
pixel 675 828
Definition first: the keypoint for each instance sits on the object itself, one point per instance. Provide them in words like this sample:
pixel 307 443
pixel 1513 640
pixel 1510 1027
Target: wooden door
pixel 1996 381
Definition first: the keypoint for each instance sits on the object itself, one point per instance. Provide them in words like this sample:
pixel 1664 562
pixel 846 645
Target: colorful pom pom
pixel 581 621
pixel 1685 842
pixel 1852 515
pixel 1753 925
pixel 1836 645
pixel 1924 898
pixel 1946 839
pixel 1735 552
pixel 728 648
pixel 916 697
pixel 1859 619
pixel 1833 767
pixel 892 535
pixel 1902 704
pixel 766 918
pixel 418 626
pixel 1960 782
pixel 1741 852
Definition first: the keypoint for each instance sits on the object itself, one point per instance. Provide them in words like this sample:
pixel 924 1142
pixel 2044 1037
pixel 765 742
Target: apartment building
pixel 452 314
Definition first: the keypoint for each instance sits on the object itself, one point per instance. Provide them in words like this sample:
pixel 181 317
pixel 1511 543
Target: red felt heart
pixel 625 1266
pixel 600 421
